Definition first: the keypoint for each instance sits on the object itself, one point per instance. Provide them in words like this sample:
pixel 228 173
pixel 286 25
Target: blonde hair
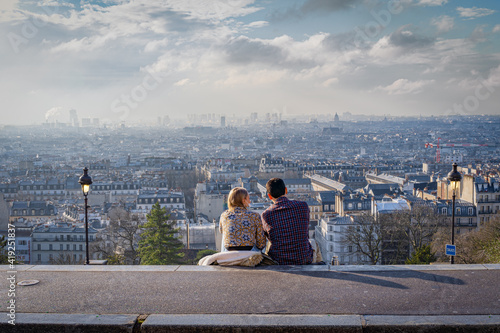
pixel 235 198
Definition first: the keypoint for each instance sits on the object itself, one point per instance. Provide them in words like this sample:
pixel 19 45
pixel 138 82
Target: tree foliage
pixel 4 259
pixel 422 256
pixel 203 253
pixel 159 242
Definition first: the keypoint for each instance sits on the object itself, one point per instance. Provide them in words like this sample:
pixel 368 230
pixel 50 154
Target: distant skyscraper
pixel 85 122
pixel 253 117
pixel 73 118
pixel 336 118
pixel 223 121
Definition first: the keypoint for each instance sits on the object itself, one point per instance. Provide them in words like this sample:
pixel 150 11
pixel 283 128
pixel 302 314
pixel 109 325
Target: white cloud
pixel 154 45
pixel 496 28
pixel 85 44
pixel 443 23
pixel 330 82
pixel 404 86
pixel 431 2
pixel 257 24
pixel 8 5
pixel 474 12
pixel 182 82
pixel 53 3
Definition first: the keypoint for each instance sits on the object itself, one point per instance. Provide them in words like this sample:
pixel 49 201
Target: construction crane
pixel 438 147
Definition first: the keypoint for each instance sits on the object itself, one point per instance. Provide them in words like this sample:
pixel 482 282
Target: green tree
pixel 422 256
pixel 203 253
pixel 3 251
pixel 159 243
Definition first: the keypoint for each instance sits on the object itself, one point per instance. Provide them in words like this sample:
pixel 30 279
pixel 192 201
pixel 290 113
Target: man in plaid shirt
pixel 286 226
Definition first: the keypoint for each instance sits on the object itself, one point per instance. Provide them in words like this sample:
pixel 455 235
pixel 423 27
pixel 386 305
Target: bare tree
pixel 66 259
pixel 118 242
pixel 481 246
pixel 365 235
pixel 419 224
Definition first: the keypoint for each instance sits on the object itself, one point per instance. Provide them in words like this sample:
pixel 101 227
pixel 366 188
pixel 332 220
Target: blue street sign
pixel 451 250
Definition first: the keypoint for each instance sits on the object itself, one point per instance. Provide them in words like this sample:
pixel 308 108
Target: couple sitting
pixel 285 225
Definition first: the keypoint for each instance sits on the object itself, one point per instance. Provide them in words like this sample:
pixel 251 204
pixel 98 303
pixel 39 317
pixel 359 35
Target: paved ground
pixel 398 290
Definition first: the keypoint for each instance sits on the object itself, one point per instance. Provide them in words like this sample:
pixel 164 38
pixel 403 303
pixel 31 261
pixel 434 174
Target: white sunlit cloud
pixel 8 5
pixel 404 86
pixel 496 28
pixel 474 12
pixel 432 2
pixel 443 23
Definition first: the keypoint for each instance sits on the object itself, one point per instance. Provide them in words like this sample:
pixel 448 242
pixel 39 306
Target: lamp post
pixel 85 181
pixel 454 177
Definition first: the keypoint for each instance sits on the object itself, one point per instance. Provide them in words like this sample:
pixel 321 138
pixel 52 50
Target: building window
pixel 50 247
pixel 67 247
pixel 471 210
pixel 81 237
pixel 74 247
pixel 350 248
pixel 81 247
pixel 444 210
pixel 39 247
pixel 61 247
pixel 91 238
pixel 68 237
pixel 39 257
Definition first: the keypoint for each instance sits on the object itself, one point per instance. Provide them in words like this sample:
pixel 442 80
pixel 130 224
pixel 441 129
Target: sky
pixel 135 60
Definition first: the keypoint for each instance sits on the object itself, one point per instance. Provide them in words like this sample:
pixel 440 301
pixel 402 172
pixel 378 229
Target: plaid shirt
pixel 286 225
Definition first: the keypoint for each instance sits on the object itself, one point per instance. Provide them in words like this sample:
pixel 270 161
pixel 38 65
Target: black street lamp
pixel 85 181
pixel 454 177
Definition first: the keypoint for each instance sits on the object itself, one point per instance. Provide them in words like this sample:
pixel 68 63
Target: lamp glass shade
pixel 85 189
pixel 85 181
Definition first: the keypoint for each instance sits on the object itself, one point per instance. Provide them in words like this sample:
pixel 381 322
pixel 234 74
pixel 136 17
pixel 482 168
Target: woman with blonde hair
pixel 241 228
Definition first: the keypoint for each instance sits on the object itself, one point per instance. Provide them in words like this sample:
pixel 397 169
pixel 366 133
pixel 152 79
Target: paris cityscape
pixel 343 166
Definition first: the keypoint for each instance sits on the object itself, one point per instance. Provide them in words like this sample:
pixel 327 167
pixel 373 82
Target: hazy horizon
pixel 130 61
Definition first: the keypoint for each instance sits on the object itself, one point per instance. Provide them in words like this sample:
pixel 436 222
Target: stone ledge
pixel 216 268
pixel 55 323
pixel 64 323
pixel 260 323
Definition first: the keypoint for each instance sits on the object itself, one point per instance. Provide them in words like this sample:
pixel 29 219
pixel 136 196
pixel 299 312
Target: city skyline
pixel 125 61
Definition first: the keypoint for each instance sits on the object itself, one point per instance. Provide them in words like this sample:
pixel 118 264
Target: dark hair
pixel 276 187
